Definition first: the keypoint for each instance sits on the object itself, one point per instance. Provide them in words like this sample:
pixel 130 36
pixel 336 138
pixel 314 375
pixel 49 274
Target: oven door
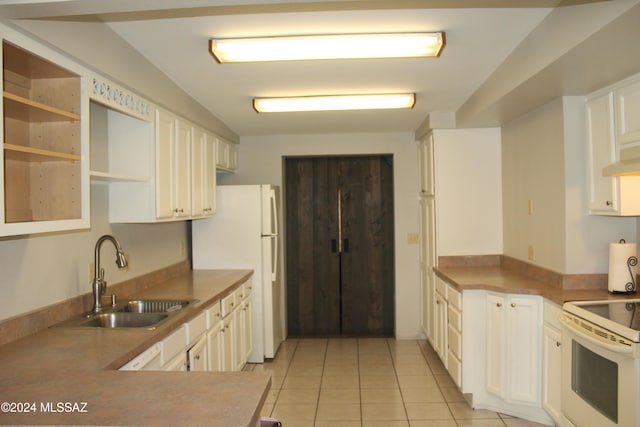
pixel 600 376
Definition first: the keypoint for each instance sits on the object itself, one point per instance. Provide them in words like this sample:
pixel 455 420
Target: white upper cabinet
pixel 176 164
pixel 426 165
pixel 611 195
pixel 628 111
pixel 226 155
pixel 203 173
pixel 44 179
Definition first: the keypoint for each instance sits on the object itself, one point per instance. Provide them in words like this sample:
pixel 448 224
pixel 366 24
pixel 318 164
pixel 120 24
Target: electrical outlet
pixel 90 272
pixel 532 253
pixel 530 207
pixel 412 238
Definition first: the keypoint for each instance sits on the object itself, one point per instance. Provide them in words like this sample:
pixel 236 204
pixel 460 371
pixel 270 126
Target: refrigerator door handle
pixel 274 212
pixel 274 258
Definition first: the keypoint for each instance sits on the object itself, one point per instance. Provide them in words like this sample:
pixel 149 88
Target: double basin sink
pixel 139 313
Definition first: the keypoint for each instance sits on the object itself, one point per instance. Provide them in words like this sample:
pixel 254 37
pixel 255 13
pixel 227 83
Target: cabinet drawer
pixel 196 327
pixel 455 342
pixel 214 314
pixel 441 287
pixel 454 298
pixel 228 303
pixel 455 318
pixel 173 344
pixel 454 366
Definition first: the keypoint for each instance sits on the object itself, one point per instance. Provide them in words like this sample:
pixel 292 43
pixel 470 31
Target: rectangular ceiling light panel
pixel 292 48
pixel 334 102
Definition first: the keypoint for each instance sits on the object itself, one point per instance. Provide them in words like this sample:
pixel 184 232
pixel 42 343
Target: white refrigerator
pixel 243 234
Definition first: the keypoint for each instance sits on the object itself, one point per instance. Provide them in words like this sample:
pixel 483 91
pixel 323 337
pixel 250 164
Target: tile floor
pixel 371 382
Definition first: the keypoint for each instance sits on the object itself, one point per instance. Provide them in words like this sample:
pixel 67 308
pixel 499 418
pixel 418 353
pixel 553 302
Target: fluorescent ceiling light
pixel 346 46
pixel 334 102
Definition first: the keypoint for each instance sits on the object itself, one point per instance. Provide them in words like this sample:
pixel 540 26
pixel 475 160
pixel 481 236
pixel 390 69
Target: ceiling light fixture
pixel 292 48
pixel 334 102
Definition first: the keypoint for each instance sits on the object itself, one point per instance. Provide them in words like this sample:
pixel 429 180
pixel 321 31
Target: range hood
pixel 629 164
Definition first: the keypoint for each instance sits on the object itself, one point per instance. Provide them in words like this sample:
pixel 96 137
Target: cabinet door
pixel 165 140
pixel 603 190
pixel 228 345
pixel 551 371
pixel 425 166
pixel 246 328
pixel 238 342
pixel 440 327
pixel 198 355
pixel 198 157
pixel 209 175
pixel 524 326
pixel 628 112
pixel 222 153
pixel 427 247
pixel 495 341
pixel 214 337
pixel 181 170
pixel 233 157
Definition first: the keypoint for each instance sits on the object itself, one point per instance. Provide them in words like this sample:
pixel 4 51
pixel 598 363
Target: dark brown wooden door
pixel 340 251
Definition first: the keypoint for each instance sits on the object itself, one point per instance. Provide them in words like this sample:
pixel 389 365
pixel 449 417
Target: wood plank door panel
pixel 313 293
pixel 366 185
pixel 340 245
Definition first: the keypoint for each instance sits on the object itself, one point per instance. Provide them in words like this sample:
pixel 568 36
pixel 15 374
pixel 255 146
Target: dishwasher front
pixel 148 360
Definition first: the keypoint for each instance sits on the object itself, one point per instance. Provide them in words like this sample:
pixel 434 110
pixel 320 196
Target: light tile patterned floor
pixel 368 382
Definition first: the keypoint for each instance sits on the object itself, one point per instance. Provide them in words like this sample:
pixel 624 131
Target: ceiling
pixel 174 34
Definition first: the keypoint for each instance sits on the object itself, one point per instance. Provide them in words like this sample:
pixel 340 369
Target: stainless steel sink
pixel 154 306
pixel 138 313
pixel 123 320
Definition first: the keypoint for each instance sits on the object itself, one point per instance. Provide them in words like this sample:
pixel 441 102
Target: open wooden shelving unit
pixel 42 142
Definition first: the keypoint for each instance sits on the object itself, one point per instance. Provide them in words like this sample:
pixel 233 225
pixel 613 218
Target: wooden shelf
pixel 111 177
pixel 23 153
pixel 27 110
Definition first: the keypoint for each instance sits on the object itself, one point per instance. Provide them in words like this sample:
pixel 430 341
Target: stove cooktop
pixel 619 316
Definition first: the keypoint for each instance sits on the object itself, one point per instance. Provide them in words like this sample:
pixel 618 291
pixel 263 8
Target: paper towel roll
pixel 622 272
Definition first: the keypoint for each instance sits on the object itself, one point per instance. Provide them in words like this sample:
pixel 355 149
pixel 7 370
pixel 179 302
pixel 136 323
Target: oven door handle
pixel 595 339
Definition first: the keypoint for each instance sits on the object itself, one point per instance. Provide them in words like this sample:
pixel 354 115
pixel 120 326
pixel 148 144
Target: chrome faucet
pixel 99 285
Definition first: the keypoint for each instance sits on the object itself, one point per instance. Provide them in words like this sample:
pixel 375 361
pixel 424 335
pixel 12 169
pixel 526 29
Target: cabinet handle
pixel 609 203
pixel 558 343
pixel 498 304
pixel 437 301
pixel 197 357
pixel 513 305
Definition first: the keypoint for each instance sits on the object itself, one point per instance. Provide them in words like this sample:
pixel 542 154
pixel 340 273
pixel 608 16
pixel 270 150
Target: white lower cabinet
pixel 494 349
pixel 247 318
pixel 197 352
pixel 440 320
pixel 514 338
pixel 454 335
pixel 229 335
pixel 173 356
pixel 198 355
pixel 217 339
pixel 552 363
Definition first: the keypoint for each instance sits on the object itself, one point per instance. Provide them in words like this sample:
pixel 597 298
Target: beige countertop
pixel 78 368
pixel 500 279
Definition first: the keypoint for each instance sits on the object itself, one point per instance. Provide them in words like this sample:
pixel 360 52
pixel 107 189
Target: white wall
pixel 468 191
pixel 544 160
pixel 261 162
